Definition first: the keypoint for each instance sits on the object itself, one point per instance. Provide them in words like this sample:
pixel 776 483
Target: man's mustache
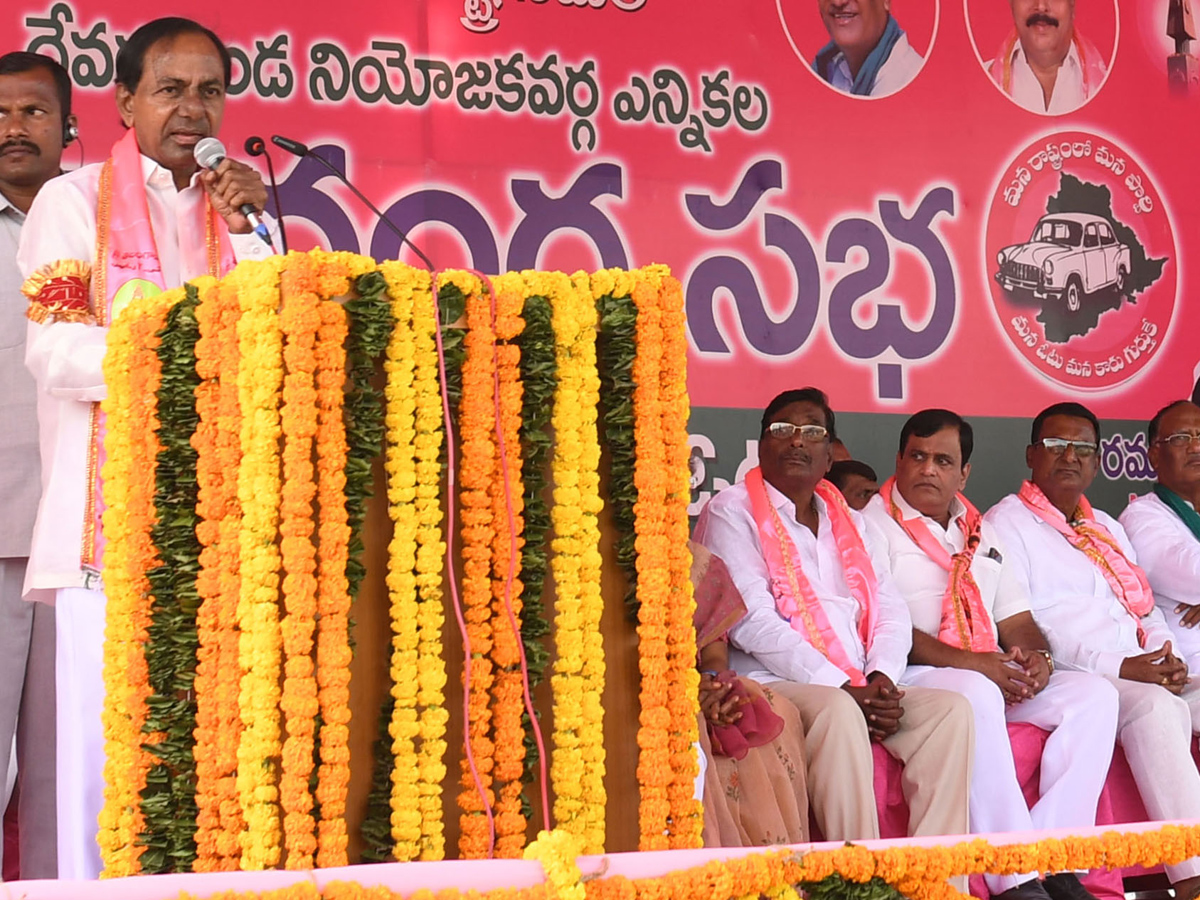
pixel 26 145
pixel 1041 19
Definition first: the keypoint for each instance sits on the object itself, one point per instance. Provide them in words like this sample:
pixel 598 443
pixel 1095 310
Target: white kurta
pixel 1079 710
pixel 901 67
pixel 1069 91
pixel 1089 629
pixel 66 359
pixel 1169 554
pixel 764 646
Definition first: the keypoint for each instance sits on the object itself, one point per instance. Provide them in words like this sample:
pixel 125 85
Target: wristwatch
pixel 1049 659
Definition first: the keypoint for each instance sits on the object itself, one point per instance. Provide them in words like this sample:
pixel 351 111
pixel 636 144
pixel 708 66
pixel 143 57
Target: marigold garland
pixel 477 471
pixel 577 769
pixel 333 587
pixel 300 319
pixel 655 772
pixel 218 454
pixel 431 554
pixel 401 467
pixel 684 680
pixel 917 872
pixel 131 370
pixel 507 494
pixel 260 377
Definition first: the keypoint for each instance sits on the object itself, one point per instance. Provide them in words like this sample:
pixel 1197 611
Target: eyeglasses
pixel 1058 446
pixel 1179 439
pixel 809 433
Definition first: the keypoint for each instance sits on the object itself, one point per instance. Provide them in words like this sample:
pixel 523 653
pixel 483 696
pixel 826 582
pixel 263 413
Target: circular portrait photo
pixel 862 48
pixel 1047 56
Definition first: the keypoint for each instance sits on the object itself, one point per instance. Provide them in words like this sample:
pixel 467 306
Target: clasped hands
pixel 719 703
pixel 1161 667
pixel 879 699
pixel 1019 673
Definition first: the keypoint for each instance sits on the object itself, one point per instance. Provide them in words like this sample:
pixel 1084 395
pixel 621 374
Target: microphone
pixel 256 146
pixel 209 152
pixel 302 151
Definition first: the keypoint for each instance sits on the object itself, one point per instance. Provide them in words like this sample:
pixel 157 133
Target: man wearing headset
pixel 35 124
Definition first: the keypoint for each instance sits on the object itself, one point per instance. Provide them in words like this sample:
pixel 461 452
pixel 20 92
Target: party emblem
pixel 1081 261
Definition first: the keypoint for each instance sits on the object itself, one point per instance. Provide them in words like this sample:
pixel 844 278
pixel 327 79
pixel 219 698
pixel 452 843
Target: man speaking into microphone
pixel 146 220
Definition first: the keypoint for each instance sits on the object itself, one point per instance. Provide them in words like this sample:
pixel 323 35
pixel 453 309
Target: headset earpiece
pixel 70 133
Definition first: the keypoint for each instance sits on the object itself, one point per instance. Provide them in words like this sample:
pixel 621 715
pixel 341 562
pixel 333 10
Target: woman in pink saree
pixel 754 788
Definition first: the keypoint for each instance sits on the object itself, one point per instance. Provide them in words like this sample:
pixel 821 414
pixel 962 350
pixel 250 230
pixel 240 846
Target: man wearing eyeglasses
pixel 973 632
pixel 826 629
pixel 1164 526
pixel 1095 606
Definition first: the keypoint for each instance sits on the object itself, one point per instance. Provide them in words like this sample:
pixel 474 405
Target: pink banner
pixel 936 243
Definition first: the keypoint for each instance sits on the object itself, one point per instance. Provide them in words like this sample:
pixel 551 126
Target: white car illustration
pixel 1069 256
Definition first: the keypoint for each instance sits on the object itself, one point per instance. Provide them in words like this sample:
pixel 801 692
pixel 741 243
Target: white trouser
pixel 1155 729
pixel 1080 712
pixel 79 679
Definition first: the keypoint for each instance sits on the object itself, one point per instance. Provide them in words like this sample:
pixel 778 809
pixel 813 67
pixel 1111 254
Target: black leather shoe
pixel 1029 890
pixel 1066 886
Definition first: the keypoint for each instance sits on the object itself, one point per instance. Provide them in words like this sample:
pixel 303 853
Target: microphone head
pixel 208 153
pixel 255 145
pixel 289 145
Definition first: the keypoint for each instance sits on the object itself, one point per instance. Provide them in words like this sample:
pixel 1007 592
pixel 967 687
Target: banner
pixel 932 228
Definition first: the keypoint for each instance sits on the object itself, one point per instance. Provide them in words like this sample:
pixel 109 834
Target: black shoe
pixel 1066 886
pixel 1029 890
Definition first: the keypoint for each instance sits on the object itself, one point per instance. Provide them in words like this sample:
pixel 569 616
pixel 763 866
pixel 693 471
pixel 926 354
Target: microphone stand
pixel 256 146
pixel 303 151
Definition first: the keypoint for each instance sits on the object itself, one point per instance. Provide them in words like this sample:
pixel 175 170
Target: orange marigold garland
pixel 210 480
pixel 507 493
pixel 227 562
pixel 333 596
pixel 300 320
pixel 476 472
pixel 684 680
pixel 132 371
pixel 655 774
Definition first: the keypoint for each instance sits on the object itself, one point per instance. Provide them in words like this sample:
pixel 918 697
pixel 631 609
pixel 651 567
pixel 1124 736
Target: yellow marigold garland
pixel 683 680
pixel 577 768
pixel 507 492
pixel 132 372
pixel 431 554
pixel 260 377
pixel 300 319
pixel 401 466
pixel 333 596
pixel 917 872
pixel 477 471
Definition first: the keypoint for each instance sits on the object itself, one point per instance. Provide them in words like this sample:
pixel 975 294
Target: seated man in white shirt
pixel 973 633
pixel 826 629
pixel 1095 607
pixel 1045 64
pixel 868 53
pixel 1164 527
